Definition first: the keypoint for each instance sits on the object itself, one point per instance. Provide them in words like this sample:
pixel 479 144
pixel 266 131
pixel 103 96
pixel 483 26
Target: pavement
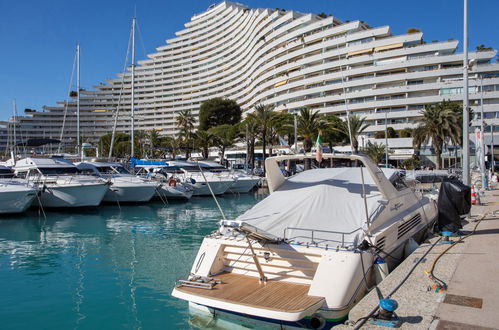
pixel 470 269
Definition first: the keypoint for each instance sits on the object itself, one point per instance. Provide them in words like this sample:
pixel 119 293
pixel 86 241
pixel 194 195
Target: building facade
pixel 287 59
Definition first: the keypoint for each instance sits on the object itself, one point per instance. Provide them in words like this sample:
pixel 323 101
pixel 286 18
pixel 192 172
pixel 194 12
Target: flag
pixel 318 152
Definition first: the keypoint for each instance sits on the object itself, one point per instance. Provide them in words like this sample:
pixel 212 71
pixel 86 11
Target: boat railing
pixel 313 236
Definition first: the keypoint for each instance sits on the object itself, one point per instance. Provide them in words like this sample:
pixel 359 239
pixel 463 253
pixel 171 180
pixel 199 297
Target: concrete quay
pixel 470 269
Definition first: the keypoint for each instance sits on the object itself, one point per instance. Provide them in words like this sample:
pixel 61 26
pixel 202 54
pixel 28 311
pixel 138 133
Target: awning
pixel 388 47
pixel 280 83
pixel 401 154
pixel 359 52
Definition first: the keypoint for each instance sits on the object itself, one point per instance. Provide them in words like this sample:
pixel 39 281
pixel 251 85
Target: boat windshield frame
pixel 111 169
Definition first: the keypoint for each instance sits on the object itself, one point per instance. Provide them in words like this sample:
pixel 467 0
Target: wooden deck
pixel 247 290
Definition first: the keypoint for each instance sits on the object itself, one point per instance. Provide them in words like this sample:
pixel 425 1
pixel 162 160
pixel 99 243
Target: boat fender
pixel 193 181
pixel 172 182
pixel 410 246
pixel 380 269
pixel 317 321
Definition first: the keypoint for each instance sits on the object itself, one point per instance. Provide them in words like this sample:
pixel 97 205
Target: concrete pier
pixel 470 269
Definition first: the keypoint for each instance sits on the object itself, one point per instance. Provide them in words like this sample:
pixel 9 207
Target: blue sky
pixel 38 38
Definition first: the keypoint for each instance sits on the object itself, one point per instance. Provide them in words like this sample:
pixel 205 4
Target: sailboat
pixel 303 256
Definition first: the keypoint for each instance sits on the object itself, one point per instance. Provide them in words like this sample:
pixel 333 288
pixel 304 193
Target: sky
pixel 38 38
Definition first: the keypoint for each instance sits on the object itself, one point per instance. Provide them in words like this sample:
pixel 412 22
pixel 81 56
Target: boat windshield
pixel 190 168
pixel 58 170
pixel 217 169
pixel 6 173
pixel 112 170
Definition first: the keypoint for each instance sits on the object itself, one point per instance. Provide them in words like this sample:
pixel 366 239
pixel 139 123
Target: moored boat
pixel 304 256
pixel 60 183
pixel 198 178
pixel 15 194
pixel 124 186
pixel 243 183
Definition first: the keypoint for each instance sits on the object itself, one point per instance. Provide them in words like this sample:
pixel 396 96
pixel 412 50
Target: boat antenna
pixel 345 96
pixel 66 106
pixel 211 191
pixel 116 112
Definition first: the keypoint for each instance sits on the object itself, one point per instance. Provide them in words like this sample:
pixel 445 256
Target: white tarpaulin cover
pixel 327 199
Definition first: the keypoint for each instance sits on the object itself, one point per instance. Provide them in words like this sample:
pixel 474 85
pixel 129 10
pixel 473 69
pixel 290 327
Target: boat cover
pixel 325 200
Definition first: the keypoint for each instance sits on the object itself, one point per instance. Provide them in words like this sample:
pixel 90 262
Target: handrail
pixel 312 231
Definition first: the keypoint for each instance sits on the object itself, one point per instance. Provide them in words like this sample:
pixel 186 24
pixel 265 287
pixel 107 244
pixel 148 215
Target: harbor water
pixel 112 267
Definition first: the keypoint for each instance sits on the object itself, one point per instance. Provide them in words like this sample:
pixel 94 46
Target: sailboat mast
pixel 133 87
pixel 14 130
pixel 78 142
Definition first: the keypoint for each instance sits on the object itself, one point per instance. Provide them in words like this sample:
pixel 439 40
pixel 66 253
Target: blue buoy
pixel 388 304
pixel 446 237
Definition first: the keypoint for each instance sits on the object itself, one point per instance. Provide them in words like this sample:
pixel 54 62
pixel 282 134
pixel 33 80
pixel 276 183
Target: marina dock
pixel 470 269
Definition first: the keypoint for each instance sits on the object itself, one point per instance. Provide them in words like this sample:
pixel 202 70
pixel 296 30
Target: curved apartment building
pixel 287 59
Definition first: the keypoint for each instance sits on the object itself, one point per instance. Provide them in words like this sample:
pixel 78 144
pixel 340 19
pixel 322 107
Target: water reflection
pixel 104 268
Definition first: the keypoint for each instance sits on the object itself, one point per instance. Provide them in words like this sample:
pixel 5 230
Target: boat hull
pixel 129 192
pixel 243 185
pixel 219 187
pixel 15 199
pixel 202 316
pixel 74 195
pixel 178 192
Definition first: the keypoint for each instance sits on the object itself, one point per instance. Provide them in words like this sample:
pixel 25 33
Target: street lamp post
pixel 295 114
pixel 482 134
pixel 466 148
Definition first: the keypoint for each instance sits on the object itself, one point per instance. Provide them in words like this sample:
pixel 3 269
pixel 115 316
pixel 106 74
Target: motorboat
pixel 169 187
pixel 124 187
pixel 304 256
pixel 60 183
pixel 15 194
pixel 199 178
pixel 244 183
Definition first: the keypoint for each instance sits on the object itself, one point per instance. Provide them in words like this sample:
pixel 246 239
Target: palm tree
pixel 185 120
pixel 250 129
pixel 309 125
pixel 204 141
pixel 263 115
pixel 375 151
pixel 281 124
pixel 357 126
pixel 441 122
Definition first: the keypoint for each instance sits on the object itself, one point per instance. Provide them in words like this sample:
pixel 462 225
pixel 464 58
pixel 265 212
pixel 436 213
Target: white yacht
pixel 169 187
pixel 302 257
pixel 243 183
pixel 60 183
pixel 199 178
pixel 125 187
pixel 15 195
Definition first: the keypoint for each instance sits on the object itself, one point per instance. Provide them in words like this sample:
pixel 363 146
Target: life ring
pixel 172 182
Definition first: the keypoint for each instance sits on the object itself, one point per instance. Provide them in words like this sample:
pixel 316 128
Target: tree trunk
pixel 264 137
pixel 307 147
pixel 252 154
